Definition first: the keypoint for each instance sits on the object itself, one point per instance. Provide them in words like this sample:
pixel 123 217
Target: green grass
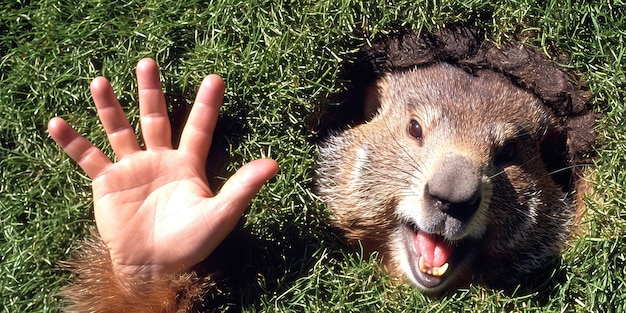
pixel 279 58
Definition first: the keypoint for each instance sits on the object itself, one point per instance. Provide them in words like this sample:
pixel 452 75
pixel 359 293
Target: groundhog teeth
pixel 432 270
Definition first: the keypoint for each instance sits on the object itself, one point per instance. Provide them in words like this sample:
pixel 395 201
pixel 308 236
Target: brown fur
pixel 471 98
pixel 96 288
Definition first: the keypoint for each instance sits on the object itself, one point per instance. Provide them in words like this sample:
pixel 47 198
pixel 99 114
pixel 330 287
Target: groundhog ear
pixel 555 156
pixel 371 101
pixel 582 138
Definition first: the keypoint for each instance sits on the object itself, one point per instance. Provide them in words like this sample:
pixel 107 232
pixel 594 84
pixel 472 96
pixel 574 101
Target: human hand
pixel 153 208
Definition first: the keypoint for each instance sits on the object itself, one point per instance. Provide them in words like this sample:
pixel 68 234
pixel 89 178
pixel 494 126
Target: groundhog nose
pixel 455 187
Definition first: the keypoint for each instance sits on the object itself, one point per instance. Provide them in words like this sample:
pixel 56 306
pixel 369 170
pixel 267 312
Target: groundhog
pixel 455 159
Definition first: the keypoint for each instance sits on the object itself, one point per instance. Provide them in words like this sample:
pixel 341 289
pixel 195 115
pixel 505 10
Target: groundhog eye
pixel 507 153
pixel 415 130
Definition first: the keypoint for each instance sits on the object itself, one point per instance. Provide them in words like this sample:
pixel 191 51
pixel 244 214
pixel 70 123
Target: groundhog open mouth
pixel 435 262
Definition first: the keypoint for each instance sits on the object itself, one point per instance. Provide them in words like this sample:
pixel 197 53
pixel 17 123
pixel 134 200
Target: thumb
pixel 239 190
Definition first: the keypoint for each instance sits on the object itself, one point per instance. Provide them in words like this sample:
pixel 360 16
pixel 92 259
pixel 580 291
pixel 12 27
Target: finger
pixel 88 157
pixel 155 123
pixel 236 194
pixel 121 135
pixel 198 132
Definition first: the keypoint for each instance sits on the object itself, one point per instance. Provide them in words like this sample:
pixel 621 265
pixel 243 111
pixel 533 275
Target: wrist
pixel 142 272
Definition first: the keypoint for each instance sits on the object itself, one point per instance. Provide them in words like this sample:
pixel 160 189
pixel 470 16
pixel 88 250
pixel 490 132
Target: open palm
pixel 154 209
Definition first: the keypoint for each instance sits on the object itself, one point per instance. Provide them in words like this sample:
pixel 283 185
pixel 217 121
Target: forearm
pixel 97 288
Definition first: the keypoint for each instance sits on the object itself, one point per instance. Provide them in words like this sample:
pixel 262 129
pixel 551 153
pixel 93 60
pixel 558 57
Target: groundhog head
pixel 453 169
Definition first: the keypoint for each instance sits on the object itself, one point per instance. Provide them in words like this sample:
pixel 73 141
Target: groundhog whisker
pixel 414 162
pixel 496 174
pixel 570 168
pixel 393 179
pixel 375 168
pixel 526 163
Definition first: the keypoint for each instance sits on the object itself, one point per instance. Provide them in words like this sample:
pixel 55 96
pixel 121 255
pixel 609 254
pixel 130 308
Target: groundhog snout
pixel 455 187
